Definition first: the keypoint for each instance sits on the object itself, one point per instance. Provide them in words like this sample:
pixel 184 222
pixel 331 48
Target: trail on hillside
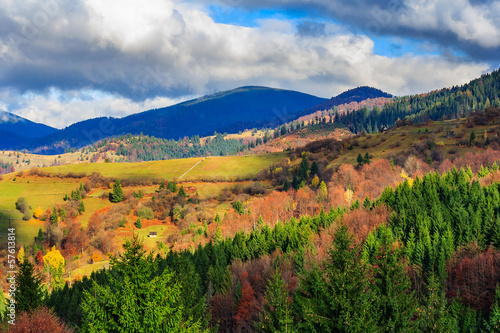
pixel 192 168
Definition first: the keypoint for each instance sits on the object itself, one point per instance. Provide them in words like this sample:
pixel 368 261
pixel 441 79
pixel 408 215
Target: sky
pixel 64 61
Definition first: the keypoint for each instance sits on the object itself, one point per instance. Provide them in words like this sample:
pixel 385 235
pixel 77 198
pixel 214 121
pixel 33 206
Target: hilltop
pixel 229 111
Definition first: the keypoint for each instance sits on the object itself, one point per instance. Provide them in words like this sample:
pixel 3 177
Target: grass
pixel 88 269
pixel 400 139
pixel 223 167
pixel 92 205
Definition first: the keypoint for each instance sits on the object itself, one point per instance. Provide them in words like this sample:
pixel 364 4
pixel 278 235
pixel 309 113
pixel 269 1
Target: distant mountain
pixel 16 130
pixel 352 95
pixel 232 110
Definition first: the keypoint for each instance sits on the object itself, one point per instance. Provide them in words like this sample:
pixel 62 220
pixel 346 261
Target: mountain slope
pixel 19 127
pixel 352 95
pixel 233 110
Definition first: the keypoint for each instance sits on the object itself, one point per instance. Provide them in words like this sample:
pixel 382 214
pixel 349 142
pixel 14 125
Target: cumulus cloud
pixel 75 60
pixel 468 25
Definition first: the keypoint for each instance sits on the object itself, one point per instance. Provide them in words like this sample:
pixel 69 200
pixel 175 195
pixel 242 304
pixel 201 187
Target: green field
pixel 49 192
pixel 213 167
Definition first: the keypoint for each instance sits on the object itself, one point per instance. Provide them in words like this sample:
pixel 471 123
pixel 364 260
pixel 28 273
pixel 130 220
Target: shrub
pixel 22 205
pixel 145 213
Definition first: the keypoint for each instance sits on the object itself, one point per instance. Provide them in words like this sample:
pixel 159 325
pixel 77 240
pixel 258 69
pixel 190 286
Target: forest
pixel 421 255
pixel 454 102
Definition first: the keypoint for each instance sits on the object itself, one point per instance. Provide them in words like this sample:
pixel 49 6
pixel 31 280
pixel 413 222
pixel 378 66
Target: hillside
pixel 15 130
pixel 355 95
pixel 454 102
pixel 229 111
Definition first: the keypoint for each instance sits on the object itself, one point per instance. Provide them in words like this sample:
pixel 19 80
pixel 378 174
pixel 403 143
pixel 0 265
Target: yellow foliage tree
pixel 348 196
pixel 38 212
pixel 96 257
pixel 315 181
pixel 54 264
pixel 20 255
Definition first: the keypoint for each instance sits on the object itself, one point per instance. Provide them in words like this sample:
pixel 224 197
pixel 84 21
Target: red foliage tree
pixel 474 276
pixel 247 306
pixel 39 257
pixel 361 221
pixel 38 321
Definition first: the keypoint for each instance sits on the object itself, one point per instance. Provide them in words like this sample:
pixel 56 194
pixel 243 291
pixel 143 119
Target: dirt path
pixel 192 167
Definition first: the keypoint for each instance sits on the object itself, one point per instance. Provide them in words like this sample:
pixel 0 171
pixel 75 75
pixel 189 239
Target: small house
pixel 152 234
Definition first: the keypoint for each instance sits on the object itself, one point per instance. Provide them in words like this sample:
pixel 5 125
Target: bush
pixel 22 205
pixel 145 213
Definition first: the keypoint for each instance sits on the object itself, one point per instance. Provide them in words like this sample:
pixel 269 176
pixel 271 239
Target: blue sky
pixel 64 61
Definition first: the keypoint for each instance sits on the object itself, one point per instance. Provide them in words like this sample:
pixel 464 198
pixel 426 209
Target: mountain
pixel 352 95
pixel 15 129
pixel 232 110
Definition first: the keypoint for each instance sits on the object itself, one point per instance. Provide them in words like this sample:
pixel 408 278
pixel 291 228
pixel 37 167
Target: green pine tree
pixel 137 298
pixel 29 289
pixel 182 192
pixel 493 324
pixel 276 314
pixel 117 194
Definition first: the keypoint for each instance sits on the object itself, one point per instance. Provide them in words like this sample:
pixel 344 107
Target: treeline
pixel 6 167
pixel 148 148
pixel 454 102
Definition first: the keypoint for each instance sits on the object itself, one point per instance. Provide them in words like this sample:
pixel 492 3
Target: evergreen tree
pixel 182 192
pixel 433 315
pixel 54 216
pixel 394 301
pixel 137 297
pixel 276 315
pixel 29 289
pixel 314 168
pixel 138 223
pixel 360 160
pixel 337 299
pixel 366 158
pixel 472 138
pixel 493 324
pixel 117 194
pixel 304 167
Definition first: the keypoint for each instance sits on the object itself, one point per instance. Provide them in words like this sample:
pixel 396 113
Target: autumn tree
pixel 247 306
pixel 54 265
pixel 40 320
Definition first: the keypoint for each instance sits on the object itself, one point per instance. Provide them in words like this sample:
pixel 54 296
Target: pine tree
pixel 493 324
pixel 182 192
pixel 138 223
pixel 337 299
pixel 117 194
pixel 29 289
pixel 366 158
pixel 394 301
pixel 276 314
pixel 433 315
pixel 360 160
pixel 54 216
pixel 137 298
pixel 304 168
